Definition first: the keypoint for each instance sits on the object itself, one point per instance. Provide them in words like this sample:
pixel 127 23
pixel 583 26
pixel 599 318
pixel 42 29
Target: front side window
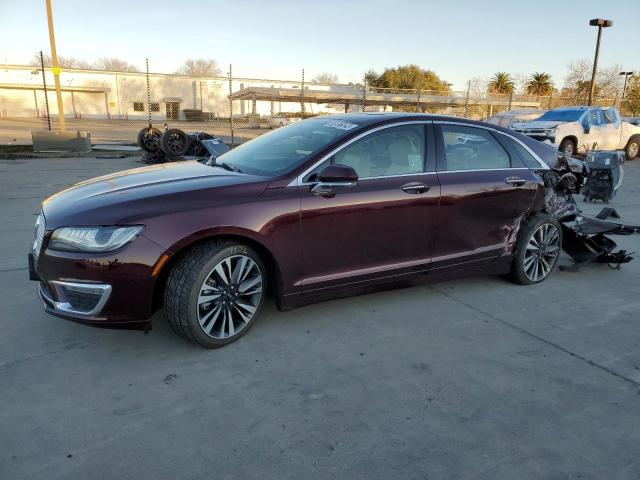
pixel 389 152
pixel 610 115
pixel 470 148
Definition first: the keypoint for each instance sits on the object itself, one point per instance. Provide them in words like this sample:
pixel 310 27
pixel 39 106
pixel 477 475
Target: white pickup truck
pixel 578 129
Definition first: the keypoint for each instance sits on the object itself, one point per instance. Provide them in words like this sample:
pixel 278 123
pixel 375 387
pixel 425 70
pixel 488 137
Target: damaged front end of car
pixel 585 238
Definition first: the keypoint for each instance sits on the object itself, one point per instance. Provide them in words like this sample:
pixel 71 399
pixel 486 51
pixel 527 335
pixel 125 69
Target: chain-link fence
pixel 114 106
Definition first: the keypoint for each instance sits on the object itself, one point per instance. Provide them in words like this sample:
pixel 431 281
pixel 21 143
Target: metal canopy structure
pixel 372 98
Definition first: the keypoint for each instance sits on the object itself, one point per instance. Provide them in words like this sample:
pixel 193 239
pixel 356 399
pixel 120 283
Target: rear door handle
pixel 517 181
pixel 416 187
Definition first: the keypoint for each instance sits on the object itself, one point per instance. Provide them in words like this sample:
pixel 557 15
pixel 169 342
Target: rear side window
pixel 470 148
pixel 520 156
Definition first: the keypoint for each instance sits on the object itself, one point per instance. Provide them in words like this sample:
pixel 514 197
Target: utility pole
pixel 55 69
pixel 600 23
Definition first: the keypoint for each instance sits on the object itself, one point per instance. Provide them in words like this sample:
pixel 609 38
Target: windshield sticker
pixel 341 125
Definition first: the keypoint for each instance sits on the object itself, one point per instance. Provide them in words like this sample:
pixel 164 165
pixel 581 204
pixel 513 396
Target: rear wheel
pixel 537 250
pixel 632 150
pixel 568 147
pixel 214 293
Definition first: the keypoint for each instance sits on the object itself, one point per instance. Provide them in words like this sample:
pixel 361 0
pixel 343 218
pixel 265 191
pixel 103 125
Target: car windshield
pixel 282 150
pixel 561 116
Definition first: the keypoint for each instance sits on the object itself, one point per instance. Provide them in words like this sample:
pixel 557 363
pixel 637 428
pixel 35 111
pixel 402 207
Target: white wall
pixel 123 89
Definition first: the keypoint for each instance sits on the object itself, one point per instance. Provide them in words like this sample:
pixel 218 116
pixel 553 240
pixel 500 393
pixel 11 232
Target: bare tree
pixel 64 62
pixel 325 77
pixel 578 82
pixel 200 67
pixel 114 64
pixel 478 86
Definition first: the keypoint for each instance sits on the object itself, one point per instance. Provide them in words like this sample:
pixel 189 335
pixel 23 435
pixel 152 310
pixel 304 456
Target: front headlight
pixel 550 133
pixel 92 239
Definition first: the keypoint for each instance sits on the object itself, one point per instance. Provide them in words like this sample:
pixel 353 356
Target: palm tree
pixel 501 83
pixel 540 83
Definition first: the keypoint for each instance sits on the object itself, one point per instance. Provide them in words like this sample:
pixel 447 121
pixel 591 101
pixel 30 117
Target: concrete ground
pixel 468 379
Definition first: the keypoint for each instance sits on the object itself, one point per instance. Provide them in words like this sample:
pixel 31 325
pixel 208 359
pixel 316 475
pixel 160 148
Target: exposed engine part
pixel 584 238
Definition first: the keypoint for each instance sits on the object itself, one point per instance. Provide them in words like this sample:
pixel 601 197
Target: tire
pixel 194 308
pixel 174 142
pixel 568 147
pixel 531 265
pixel 632 150
pixel 149 139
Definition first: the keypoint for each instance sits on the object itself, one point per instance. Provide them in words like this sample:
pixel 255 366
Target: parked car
pixel 281 119
pixel 632 120
pixel 579 129
pixel 322 207
pixel 506 119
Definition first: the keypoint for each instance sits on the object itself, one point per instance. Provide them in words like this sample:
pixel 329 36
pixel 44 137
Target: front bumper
pixel 114 289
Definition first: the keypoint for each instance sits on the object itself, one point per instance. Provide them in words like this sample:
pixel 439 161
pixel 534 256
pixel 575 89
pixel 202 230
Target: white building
pixel 123 95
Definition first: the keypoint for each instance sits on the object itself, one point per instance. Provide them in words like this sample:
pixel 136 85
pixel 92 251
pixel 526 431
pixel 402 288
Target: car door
pixel 484 192
pixel 594 134
pixel 382 226
pixel 610 129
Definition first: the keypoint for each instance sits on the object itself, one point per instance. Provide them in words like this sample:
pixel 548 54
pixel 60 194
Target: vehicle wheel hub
pixel 541 252
pixel 229 297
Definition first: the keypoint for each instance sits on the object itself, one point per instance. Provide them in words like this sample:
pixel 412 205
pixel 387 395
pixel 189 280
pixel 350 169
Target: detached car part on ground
pixel 175 143
pixel 322 208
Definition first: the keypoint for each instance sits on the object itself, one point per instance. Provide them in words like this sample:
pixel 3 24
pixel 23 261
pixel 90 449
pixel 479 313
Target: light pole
pixel 600 23
pixel 624 88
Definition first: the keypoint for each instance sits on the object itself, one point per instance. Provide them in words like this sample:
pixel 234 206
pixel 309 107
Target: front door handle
pixel 517 181
pixel 415 187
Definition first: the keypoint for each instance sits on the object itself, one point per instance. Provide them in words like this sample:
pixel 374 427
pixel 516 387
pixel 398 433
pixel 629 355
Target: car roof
pixel 380 118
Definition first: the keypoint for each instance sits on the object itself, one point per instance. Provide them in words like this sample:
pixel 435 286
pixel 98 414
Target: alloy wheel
pixel 229 297
pixel 542 252
pixel 568 149
pixel 633 149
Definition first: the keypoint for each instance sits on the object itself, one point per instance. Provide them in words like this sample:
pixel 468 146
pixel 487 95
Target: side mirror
pixel 333 178
pixel 587 128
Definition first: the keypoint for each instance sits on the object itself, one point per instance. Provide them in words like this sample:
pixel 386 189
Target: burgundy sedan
pixel 323 207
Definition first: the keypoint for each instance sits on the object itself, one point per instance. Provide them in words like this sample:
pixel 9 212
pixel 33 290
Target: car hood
pixel 132 195
pixel 544 125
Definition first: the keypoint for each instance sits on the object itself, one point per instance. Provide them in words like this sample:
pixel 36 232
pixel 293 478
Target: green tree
pixel 540 83
pixel 501 82
pixel 631 104
pixel 410 77
pixel 371 76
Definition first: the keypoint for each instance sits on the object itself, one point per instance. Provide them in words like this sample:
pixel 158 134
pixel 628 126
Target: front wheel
pixel 214 292
pixel 568 147
pixel 537 250
pixel 632 150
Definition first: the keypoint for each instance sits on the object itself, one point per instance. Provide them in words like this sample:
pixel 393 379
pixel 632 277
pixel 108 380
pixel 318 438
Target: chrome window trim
pixel 509 169
pixel 486 127
pixel 298 180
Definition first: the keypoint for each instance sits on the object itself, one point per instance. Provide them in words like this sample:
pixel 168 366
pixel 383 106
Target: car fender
pixel 627 130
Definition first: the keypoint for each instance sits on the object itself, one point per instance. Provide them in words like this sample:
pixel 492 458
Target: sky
pixel 458 39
